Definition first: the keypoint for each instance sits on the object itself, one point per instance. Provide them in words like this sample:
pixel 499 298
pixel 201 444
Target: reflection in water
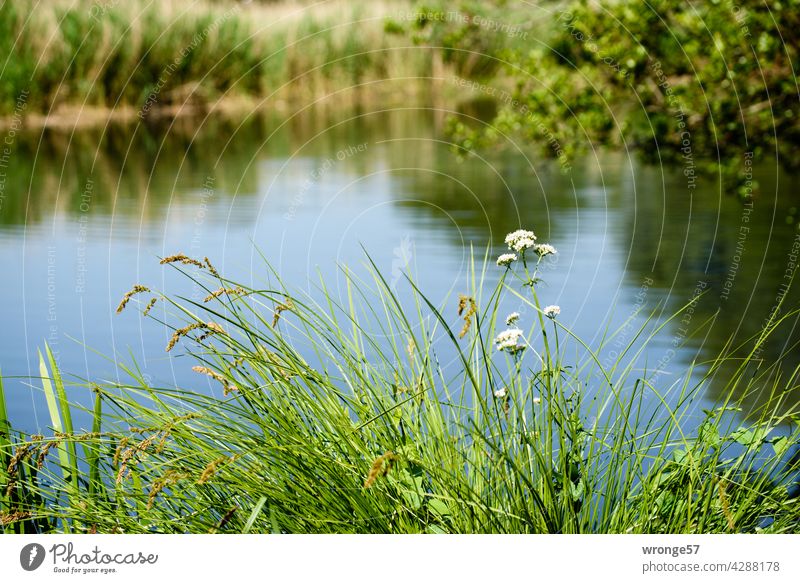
pixel 86 214
pixel 739 256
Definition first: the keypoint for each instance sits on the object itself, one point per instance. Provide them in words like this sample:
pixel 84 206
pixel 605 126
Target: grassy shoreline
pixel 334 415
pixel 142 58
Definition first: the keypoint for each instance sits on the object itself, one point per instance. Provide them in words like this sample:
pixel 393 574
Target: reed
pixel 175 55
pixel 344 419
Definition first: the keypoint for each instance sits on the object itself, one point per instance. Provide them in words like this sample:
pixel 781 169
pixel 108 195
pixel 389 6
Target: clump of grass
pixel 180 54
pixel 345 420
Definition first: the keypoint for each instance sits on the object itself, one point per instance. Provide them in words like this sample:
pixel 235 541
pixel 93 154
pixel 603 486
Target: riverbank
pixel 76 117
pixel 87 62
pixel 330 418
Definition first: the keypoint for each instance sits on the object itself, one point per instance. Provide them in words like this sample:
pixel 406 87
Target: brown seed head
pixel 211 269
pixel 229 291
pixel 380 467
pixel 182 332
pixel 280 308
pixel 181 258
pixel 137 289
pixel 228 387
pixel 149 306
pixel 463 302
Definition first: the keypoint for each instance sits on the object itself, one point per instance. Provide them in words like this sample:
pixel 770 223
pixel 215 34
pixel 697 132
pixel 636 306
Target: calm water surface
pixel 84 215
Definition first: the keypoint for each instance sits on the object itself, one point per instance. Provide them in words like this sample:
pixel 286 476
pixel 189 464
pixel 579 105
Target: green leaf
pixel 55 416
pixel 410 487
pixel 577 490
pixel 438 507
pixel 680 456
pixel 254 514
pixel 92 450
pixel 57 405
pixel 750 438
pixel 709 434
pixel 781 445
pixel 397 416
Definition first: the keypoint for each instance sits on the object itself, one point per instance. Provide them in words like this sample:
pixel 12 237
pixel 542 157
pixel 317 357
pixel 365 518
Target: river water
pixel 86 214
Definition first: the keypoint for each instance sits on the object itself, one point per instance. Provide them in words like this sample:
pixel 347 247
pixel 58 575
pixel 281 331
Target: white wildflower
pixel 506 259
pixel 501 393
pixel 521 244
pixel 511 318
pixel 536 400
pixel 520 240
pixel 544 249
pixel 552 311
pixel 509 340
pixel 519 234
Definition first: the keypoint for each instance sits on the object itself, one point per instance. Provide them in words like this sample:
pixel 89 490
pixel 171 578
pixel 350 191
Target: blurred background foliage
pixel 630 74
pixel 717 75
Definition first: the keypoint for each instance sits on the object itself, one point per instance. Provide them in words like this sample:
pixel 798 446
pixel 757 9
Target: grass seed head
pixel 380 467
pixel 211 268
pixel 280 308
pixel 137 289
pixel 227 387
pixel 7 518
pixel 466 303
pixel 180 332
pixel 228 291
pixel 181 258
pixel 211 469
pixel 149 306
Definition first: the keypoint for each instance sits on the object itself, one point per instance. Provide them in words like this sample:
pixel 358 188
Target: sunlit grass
pixel 338 414
pixel 179 53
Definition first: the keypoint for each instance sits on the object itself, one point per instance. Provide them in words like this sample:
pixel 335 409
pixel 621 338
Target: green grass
pixel 333 414
pixel 181 53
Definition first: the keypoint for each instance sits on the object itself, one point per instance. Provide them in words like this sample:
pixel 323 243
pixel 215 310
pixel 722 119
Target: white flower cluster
pixel 544 249
pixel 509 340
pixel 511 318
pixel 520 240
pixel 501 393
pixel 506 259
pixel 552 311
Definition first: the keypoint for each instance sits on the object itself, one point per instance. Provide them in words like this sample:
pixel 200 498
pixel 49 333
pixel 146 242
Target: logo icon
pixel 31 556
pixel 401 260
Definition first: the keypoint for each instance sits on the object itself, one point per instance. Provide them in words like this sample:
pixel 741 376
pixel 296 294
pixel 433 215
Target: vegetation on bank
pixel 710 85
pixel 150 55
pixel 706 85
pixel 382 412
